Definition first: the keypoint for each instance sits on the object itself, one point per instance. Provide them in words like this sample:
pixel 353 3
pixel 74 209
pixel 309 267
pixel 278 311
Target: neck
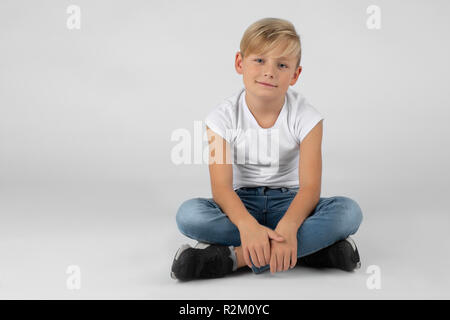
pixel 264 105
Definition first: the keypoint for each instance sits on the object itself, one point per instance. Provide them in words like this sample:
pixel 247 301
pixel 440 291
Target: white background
pixel 86 117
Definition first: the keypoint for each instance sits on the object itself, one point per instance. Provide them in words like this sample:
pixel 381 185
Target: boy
pixel 264 215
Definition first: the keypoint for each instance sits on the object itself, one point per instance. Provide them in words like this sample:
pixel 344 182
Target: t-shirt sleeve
pixel 306 119
pixel 220 120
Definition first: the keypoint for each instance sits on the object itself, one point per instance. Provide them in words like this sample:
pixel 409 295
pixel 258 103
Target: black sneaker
pixel 204 261
pixel 342 255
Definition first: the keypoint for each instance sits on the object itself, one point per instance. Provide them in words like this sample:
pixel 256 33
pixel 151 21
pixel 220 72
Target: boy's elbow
pixel 313 193
pixel 219 191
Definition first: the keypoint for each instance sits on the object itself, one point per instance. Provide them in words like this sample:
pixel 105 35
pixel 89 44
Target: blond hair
pixel 266 34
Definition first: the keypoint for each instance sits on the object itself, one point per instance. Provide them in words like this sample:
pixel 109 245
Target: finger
pixel 279 262
pixel 274 235
pixel 247 257
pixel 293 258
pixel 273 263
pixel 267 252
pixel 254 257
pixel 287 261
pixel 261 258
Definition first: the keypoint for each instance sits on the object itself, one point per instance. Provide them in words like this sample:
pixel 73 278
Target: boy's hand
pixel 284 254
pixel 255 243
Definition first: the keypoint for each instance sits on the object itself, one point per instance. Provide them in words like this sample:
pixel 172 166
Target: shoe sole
pixel 351 256
pixel 201 245
pixel 352 243
pixel 177 255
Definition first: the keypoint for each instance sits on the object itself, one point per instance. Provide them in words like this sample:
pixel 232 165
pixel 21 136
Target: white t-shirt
pixel 264 157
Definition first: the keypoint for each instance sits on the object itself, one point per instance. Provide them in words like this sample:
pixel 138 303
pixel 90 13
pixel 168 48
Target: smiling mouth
pixel 266 84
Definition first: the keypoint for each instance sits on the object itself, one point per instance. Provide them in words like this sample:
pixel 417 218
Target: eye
pixel 281 64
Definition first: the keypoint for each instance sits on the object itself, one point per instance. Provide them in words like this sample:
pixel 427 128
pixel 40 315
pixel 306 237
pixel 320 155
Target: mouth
pixel 267 84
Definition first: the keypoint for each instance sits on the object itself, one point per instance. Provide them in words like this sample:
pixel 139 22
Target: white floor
pixel 124 245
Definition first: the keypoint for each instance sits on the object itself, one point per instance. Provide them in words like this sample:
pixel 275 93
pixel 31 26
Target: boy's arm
pixel 310 176
pixel 221 175
pixel 284 255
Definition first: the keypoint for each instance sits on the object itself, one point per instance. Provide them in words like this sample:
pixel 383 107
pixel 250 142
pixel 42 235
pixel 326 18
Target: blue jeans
pixel 333 219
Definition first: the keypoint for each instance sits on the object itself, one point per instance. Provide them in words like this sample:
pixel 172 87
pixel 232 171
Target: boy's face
pixel 278 72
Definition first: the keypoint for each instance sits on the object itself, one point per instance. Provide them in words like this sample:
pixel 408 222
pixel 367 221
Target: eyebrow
pixel 284 58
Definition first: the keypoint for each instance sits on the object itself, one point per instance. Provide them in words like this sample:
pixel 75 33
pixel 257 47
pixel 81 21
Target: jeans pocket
pixel 242 192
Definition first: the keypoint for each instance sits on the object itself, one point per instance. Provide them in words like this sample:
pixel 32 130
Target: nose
pixel 269 72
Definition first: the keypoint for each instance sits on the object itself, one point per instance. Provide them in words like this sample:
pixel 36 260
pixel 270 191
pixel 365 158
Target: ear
pixel 296 75
pixel 238 63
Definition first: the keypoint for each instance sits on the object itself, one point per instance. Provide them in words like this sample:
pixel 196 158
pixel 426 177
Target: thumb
pixel 274 235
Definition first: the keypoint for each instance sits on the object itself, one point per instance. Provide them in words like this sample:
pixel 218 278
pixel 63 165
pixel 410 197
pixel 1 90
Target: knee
pixel 351 215
pixel 186 214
